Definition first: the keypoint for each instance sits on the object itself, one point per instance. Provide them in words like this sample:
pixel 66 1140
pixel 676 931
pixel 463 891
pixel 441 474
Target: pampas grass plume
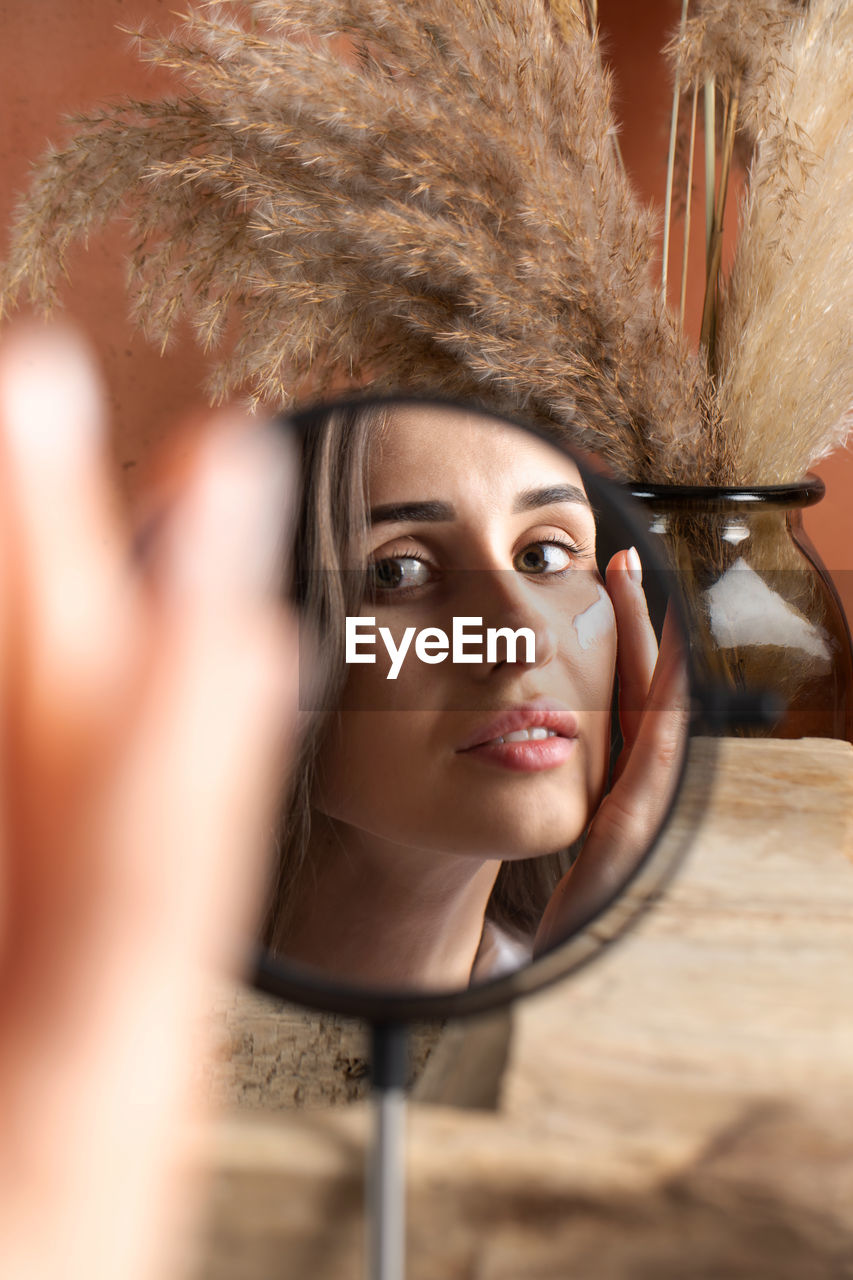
pixel 441 210
pixel 786 338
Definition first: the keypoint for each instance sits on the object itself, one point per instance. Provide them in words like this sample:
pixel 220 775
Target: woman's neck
pixel 380 914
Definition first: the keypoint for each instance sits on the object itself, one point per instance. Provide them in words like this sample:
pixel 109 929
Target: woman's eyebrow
pixel 531 499
pixel 432 512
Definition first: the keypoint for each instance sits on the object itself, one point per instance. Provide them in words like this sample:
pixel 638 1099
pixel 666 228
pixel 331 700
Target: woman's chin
pixel 514 835
pixel 527 822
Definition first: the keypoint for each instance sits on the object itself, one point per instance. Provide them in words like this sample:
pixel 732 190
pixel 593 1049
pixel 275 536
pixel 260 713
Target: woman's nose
pixel 520 629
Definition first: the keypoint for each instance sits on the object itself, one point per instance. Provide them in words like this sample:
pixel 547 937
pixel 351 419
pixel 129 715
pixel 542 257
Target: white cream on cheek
pixel 595 622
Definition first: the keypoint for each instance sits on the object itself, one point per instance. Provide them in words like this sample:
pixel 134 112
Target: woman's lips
pixel 526 738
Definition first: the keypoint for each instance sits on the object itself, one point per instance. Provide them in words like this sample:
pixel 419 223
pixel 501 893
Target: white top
pixel 500 952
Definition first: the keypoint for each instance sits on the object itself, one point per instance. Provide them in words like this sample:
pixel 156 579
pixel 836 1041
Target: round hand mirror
pixel 495 706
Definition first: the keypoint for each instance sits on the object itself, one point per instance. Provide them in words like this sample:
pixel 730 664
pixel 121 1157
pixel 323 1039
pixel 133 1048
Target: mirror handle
pixel 385 1208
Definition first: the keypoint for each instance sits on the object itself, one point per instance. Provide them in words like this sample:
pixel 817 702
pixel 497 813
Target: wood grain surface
pixel 683 1107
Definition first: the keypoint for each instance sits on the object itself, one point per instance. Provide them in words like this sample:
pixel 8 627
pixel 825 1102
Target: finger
pixel 631 814
pixel 637 647
pixel 640 796
pixel 670 677
pixel 72 621
pixel 210 753
pixel 75 607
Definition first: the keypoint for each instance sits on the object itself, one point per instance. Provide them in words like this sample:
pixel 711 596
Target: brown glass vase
pixel 762 609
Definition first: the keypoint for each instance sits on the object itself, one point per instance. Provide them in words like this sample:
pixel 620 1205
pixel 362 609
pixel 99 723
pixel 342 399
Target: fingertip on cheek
pixel 634 566
pixel 625 568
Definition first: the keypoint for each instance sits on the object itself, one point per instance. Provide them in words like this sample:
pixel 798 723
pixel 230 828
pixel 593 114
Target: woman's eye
pixel 398 573
pixel 544 557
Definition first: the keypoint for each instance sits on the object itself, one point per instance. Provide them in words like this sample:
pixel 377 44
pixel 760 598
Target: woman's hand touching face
pixel 653 716
pixel 145 712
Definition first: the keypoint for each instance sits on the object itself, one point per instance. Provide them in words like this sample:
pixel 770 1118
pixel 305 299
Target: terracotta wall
pixel 58 56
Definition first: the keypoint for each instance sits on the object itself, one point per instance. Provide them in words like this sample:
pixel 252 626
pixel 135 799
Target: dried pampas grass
pixel 777 332
pixel 443 209
pixel 429 197
pixel 739 45
pixel 786 335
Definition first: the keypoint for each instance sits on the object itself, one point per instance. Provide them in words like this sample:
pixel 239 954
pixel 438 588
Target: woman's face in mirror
pixel 450 818
pixel 490 759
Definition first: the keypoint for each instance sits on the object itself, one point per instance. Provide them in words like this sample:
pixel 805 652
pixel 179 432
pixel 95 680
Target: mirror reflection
pixel 491 730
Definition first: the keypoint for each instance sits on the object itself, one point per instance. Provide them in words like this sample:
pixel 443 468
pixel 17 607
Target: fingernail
pixel 50 400
pixel 229 533
pixel 635 567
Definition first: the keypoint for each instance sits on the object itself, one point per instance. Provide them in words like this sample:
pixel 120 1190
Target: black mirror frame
pixel 301 986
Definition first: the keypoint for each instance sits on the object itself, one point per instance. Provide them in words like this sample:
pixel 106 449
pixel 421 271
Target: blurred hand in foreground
pixel 145 718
